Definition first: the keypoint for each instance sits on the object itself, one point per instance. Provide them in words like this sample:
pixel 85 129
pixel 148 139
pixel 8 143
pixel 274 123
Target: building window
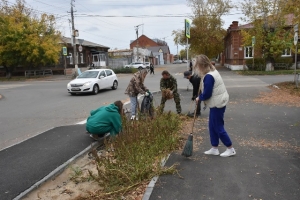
pixel 71 58
pixel 286 52
pixel 77 57
pixel 81 58
pixel 248 52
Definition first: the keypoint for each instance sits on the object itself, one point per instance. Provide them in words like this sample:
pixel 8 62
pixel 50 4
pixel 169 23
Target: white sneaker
pixel 212 151
pixel 133 117
pixel 228 152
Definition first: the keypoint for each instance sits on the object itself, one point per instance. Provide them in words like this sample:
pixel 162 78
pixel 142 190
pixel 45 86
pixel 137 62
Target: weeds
pixel 135 155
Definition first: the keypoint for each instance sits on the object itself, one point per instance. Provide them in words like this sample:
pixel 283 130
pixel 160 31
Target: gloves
pixel 147 94
pixel 193 98
pixel 171 92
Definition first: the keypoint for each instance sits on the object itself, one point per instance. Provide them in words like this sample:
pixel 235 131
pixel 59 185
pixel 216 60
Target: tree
pixel 272 21
pixel 206 31
pixel 25 39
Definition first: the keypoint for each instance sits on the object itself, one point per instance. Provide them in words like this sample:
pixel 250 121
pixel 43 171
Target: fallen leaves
pixel 283 94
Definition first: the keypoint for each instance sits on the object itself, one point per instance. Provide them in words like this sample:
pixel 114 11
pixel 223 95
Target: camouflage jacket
pixel 136 86
pixel 170 83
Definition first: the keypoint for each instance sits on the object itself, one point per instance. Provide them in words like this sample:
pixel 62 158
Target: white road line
pixel 10 86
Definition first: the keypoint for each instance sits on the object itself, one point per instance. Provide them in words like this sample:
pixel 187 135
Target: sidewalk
pixel 267 164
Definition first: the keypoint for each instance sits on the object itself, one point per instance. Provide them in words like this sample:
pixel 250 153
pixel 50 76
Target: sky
pixel 103 21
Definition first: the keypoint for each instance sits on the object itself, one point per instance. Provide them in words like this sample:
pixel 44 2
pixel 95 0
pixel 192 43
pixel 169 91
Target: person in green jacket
pixel 106 119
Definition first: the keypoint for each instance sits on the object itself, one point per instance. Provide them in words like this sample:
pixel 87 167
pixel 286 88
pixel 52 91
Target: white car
pixel 147 64
pixel 93 81
pixel 137 65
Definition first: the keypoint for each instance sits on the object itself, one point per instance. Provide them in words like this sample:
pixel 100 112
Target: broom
pixel 188 148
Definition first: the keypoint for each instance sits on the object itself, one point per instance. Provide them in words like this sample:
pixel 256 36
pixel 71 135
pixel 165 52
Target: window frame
pixel 286 52
pixel 245 52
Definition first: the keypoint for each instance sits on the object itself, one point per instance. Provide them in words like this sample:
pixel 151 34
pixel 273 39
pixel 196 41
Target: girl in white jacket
pixel 215 96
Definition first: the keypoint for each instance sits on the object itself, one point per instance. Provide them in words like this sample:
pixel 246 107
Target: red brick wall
pixel 144 41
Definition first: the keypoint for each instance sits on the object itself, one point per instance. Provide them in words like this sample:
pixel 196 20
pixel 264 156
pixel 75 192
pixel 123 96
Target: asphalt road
pixel 32 107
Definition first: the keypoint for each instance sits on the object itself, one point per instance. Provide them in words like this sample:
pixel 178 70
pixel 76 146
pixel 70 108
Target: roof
pixel 164 49
pixel 85 43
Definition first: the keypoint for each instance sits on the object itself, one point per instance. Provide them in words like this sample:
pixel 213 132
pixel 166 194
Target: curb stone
pixel 62 167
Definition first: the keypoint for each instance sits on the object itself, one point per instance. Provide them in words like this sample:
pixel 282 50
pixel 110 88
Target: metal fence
pixel 43 72
pixel 114 63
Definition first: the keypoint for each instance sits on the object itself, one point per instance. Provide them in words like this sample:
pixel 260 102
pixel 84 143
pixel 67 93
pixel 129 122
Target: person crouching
pixel 105 120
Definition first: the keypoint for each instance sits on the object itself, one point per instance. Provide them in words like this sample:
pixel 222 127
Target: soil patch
pixel 284 93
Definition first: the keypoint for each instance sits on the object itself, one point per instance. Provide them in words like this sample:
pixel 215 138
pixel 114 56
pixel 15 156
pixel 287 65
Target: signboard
pixel 80 48
pixel 296 38
pixel 253 41
pixel 65 52
pixel 187 23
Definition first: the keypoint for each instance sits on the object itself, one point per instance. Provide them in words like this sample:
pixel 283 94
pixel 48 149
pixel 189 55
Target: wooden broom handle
pixel 196 108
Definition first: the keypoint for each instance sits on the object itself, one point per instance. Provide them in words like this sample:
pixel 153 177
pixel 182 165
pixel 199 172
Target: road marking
pixel 10 86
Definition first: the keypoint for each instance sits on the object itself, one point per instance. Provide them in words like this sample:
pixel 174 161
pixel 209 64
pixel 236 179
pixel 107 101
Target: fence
pixel 118 62
pixel 43 72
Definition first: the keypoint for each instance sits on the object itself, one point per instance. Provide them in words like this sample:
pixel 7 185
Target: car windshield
pixel 89 74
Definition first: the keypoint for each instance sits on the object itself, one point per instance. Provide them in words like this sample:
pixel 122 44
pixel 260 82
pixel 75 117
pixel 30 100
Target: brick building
pixel 159 48
pixel 235 54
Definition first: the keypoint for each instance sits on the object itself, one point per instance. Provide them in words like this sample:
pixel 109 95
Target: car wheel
pixel 140 68
pixel 115 85
pixel 95 89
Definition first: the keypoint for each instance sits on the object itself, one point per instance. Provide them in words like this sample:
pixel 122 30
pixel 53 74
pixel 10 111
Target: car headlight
pixel 87 84
pixel 69 85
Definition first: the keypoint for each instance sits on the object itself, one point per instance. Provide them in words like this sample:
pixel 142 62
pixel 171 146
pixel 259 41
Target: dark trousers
pixel 216 127
pixel 198 111
pixel 151 70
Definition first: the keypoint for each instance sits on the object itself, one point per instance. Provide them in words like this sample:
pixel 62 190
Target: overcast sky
pixel 116 32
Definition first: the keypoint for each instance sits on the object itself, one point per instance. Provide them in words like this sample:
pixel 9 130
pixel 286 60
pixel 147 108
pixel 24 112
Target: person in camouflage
pixel 169 82
pixel 135 87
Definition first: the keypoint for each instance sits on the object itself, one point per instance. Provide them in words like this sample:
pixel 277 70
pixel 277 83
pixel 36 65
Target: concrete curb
pixel 55 172
pixel 62 167
pixel 151 185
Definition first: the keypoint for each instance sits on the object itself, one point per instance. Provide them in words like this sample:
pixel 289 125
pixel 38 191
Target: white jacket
pixel 220 96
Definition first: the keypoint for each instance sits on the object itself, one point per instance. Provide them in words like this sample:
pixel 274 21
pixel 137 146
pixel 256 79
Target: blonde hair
pixel 203 65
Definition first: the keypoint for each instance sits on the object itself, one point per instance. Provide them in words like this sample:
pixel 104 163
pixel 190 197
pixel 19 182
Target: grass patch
pixel 134 156
pixel 275 72
pixel 123 70
pixel 14 78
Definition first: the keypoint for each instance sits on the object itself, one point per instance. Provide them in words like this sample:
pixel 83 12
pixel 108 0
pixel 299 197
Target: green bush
pixel 259 64
pixel 122 70
pixel 135 155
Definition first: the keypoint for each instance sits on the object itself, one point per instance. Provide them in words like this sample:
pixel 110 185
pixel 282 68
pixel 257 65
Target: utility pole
pixel 137 40
pixel 74 38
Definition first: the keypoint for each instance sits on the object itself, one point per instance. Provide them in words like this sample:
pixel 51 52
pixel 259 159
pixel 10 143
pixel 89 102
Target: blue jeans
pixel 216 127
pixel 134 102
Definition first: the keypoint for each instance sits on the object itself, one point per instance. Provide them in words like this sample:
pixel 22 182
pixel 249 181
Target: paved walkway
pixel 267 164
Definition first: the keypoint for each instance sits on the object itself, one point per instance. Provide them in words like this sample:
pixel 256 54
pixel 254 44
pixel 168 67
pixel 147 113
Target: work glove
pixel 193 98
pixel 147 94
pixel 171 92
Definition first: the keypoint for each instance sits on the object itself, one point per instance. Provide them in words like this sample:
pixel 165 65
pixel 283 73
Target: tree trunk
pixel 8 72
pixel 269 67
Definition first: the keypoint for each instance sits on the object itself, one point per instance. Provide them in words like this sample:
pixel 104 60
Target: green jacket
pixel 170 83
pixel 103 120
